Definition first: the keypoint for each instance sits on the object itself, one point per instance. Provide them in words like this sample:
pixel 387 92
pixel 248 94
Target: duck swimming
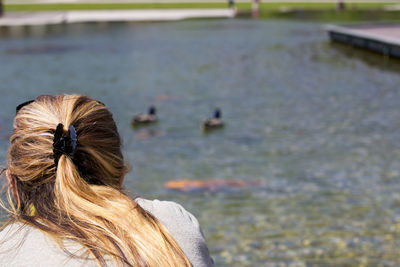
pixel 215 122
pixel 143 119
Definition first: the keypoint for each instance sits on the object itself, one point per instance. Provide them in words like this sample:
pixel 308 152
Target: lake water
pixel 317 124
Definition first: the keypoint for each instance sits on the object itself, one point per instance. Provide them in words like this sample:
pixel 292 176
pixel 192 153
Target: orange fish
pixel 208 185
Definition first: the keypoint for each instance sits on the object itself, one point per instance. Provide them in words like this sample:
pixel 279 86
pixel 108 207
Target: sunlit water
pixel 317 124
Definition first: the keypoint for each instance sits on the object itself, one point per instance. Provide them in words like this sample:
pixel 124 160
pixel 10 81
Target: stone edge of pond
pixel 379 38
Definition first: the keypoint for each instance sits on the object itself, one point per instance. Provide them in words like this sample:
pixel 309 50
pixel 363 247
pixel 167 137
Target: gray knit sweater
pixel 28 246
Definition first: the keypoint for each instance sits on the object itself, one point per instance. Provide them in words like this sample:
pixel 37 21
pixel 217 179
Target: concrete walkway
pixel 44 18
pixel 179 1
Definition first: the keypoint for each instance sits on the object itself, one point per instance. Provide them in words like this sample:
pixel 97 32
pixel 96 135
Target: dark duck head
pixel 217 113
pixel 152 110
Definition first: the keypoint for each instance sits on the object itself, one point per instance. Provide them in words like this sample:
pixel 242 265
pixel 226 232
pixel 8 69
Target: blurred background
pixel 312 128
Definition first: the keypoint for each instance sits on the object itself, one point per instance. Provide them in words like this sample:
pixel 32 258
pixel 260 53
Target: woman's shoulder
pixel 169 212
pixel 24 245
pixel 183 226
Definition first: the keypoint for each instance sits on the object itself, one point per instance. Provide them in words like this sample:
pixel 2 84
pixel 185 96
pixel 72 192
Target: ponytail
pixel 76 194
pixel 106 219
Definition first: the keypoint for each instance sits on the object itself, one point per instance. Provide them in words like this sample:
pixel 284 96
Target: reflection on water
pixel 47 30
pixel 143 134
pixel 316 123
pixel 46 49
pixel 376 60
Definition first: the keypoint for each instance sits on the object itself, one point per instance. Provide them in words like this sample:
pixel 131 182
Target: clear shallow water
pixel 317 124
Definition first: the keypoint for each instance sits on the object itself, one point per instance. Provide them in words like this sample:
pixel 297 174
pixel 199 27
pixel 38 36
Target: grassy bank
pixel 333 16
pixel 327 11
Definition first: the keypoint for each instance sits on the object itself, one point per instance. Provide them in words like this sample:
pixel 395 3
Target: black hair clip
pixel 64 144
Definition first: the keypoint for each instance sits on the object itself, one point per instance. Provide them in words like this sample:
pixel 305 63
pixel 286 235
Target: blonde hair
pixel 81 198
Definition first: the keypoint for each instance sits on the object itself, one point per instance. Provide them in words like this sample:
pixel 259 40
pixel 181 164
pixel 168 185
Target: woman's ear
pixel 121 180
pixel 11 182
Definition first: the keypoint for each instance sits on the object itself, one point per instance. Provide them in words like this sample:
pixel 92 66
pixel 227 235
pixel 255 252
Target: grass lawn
pixel 295 10
pixel 334 16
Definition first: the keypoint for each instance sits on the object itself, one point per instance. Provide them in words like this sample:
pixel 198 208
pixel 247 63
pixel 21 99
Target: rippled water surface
pixel 317 124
